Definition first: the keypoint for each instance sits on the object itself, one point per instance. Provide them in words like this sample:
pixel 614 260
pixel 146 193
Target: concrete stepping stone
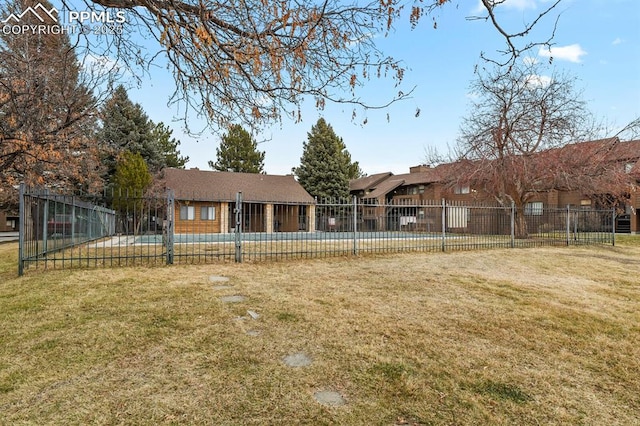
pixel 222 287
pixel 253 314
pixel 218 279
pixel 233 299
pixel 253 333
pixel 329 398
pixel 297 360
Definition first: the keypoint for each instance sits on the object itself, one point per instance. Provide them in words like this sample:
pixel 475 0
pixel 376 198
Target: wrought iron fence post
pixel 169 231
pixel 513 224
pixel 45 219
pixel 21 229
pixel 73 220
pixel 355 226
pixel 568 224
pixel 238 230
pixel 613 226
pixel 444 225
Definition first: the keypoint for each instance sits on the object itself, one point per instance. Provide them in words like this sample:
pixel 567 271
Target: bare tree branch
pixel 255 61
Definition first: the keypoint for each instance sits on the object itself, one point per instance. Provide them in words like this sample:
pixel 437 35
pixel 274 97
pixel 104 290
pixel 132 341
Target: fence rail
pixel 62 231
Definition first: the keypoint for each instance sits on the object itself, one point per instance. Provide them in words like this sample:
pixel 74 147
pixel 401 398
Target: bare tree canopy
pixel 514 49
pixel 253 61
pixel 515 117
pixel 523 112
pixel 530 132
pixel 47 113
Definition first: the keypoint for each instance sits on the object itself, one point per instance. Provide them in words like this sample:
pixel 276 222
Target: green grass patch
pixel 498 390
pixel 286 317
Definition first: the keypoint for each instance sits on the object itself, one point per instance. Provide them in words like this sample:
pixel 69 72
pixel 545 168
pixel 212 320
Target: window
pixel 187 213
pixel 461 189
pixel 421 189
pixel 207 213
pixel 533 209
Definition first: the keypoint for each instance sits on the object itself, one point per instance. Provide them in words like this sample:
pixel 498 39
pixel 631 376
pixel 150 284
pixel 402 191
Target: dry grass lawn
pixel 524 336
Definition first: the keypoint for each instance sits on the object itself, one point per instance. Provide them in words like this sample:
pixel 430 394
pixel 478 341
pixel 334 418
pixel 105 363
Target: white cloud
pixel 571 53
pixel 510 4
pixel 617 41
pixel 538 80
pixel 102 63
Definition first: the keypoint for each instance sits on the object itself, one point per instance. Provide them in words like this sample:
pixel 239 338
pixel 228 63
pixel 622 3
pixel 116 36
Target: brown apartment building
pixel 393 202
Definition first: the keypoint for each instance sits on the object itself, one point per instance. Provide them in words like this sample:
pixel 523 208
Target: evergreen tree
pixel 168 146
pixel 325 166
pixel 238 152
pixel 130 181
pixel 125 126
pixel 132 175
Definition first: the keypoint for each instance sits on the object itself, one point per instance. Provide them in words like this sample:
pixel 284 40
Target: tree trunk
pixel 521 231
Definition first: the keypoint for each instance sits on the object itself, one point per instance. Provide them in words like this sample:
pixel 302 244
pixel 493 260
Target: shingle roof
pixel 606 150
pixel 206 185
pixel 612 148
pixel 385 187
pixel 416 178
pixel 382 183
pixel 367 182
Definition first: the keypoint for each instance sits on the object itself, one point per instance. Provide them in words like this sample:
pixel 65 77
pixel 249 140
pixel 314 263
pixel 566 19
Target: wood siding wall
pixel 197 225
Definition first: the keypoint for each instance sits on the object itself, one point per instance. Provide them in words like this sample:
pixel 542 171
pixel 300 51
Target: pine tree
pixel 238 152
pixel 168 146
pixel 130 181
pixel 125 126
pixel 132 176
pixel 325 166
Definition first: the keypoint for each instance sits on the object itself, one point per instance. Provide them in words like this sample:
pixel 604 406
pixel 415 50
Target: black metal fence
pixel 61 231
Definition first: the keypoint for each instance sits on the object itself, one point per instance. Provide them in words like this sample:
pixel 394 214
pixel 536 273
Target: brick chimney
pixel 420 168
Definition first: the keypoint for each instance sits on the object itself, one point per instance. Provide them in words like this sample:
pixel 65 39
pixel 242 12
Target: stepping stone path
pixel 297 360
pixel 220 280
pixel 329 398
pixel 325 397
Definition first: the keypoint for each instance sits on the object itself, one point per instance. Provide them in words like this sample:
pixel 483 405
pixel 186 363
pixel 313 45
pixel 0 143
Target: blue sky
pixel 598 41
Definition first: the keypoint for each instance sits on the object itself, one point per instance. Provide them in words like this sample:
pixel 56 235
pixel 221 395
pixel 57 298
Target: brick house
pixel 388 197
pixel 8 222
pixel 205 202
